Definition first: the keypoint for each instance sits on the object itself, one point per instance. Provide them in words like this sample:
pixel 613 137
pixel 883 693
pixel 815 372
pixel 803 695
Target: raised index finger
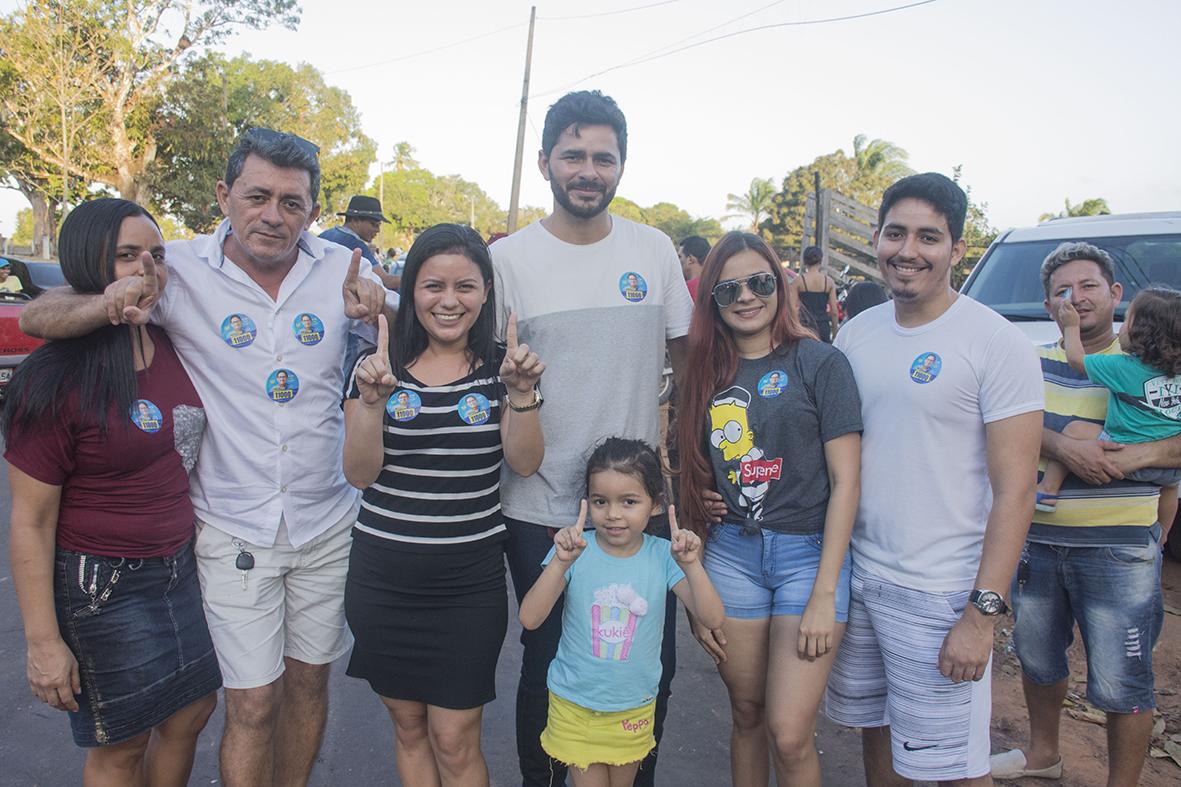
pixel 581 517
pixel 383 340
pixel 354 268
pixel 151 281
pixel 510 334
pixel 673 529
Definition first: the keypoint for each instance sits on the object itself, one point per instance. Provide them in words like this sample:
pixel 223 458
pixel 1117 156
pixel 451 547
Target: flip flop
pixel 1011 764
pixel 1046 503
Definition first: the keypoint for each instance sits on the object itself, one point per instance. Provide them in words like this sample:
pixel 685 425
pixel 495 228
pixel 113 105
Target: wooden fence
pixel 846 236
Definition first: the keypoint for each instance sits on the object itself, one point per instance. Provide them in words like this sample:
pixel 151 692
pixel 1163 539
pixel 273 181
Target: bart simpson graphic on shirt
pixel 731 434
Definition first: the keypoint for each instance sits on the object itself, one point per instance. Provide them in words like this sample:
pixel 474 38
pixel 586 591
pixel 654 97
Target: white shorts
pixel 292 604
pixel 887 673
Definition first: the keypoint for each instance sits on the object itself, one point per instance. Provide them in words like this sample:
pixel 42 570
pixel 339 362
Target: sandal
pixel 1046 503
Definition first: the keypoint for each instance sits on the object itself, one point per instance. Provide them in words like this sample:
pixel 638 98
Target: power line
pixel 700 33
pixel 800 23
pixel 431 51
pixel 605 13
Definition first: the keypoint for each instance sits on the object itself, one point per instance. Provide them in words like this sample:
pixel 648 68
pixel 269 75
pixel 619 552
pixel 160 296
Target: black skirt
pixel 428 625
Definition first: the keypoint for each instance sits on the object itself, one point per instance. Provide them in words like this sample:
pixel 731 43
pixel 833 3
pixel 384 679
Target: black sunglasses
pixel 726 292
pixel 270 135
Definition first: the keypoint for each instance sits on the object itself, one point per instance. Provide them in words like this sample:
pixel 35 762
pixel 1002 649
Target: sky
pixel 1038 101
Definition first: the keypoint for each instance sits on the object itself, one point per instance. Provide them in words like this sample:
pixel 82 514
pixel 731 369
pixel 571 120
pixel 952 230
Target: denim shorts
pixel 1163 476
pixel 138 631
pixel 1114 594
pixel 762 573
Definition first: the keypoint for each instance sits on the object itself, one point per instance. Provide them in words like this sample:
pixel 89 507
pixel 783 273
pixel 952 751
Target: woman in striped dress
pixel 428 424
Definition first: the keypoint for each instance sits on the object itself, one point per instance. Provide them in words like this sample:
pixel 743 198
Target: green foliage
pixel 215 100
pixel 22 235
pixel 873 167
pixel 978 233
pixel 673 221
pixel 1096 206
pixel 755 204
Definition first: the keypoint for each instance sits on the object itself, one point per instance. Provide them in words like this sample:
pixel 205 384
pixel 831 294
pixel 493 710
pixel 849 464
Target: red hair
pixel 712 365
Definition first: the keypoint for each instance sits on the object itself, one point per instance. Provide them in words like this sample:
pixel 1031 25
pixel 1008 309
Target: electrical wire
pixel 431 51
pixel 800 23
pixel 606 13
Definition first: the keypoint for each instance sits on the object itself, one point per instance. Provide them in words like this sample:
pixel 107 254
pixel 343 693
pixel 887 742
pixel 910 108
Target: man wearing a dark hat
pixel 362 220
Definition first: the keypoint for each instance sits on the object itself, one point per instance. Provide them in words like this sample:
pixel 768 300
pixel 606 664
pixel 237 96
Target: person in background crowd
pixel 863 295
pixel 274 511
pixel 8 282
pixel 569 279
pixel 101 433
pixel 816 292
pixel 362 221
pixel 692 253
pixel 951 400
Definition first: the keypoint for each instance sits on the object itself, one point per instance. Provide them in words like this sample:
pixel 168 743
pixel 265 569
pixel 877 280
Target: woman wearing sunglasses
pixel 770 476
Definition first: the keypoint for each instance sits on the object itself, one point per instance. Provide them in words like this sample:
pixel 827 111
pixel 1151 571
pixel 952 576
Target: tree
pixel 415 198
pixel 879 159
pixel 755 203
pixel 215 100
pixel 673 221
pixel 978 233
pixel 1096 206
pixel 92 112
pixel 22 234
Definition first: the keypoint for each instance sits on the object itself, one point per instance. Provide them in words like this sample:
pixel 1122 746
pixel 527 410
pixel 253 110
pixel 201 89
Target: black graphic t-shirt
pixel 766 434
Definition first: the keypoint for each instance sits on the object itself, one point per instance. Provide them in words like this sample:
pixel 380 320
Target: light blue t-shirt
pixel 1157 412
pixel 609 655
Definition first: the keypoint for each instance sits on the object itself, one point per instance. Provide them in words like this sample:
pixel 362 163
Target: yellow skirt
pixel 581 737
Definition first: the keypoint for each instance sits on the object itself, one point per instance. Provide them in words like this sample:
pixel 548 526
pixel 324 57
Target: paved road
pixel 36 749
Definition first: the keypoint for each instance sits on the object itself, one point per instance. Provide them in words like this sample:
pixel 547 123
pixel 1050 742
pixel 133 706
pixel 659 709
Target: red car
pixel 35 278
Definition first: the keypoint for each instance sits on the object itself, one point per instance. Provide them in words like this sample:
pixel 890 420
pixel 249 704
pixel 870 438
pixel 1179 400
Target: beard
pixel 582 211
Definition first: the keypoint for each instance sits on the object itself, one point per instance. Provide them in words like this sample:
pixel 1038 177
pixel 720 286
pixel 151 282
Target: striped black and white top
pixel 439 487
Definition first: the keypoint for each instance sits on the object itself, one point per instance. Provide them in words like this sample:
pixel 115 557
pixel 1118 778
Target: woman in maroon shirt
pixel 101 433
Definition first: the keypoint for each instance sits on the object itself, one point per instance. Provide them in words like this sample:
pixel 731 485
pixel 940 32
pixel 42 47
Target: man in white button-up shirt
pixel 259 313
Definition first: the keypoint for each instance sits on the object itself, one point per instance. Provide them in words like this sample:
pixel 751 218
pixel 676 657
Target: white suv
pixel 1146 248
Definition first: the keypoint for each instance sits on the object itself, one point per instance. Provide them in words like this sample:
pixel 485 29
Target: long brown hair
pixel 713 365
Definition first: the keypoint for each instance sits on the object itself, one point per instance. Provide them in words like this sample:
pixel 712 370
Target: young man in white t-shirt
pixel 951 401
pixel 603 296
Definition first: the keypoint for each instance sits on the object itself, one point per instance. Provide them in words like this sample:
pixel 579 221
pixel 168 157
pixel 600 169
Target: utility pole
pixel 515 196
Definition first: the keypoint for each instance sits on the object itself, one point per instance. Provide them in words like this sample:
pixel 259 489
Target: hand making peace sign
pixel 521 368
pixel 375 379
pixel 569 541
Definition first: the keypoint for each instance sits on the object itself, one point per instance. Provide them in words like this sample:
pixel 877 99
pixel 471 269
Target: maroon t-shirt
pixel 125 495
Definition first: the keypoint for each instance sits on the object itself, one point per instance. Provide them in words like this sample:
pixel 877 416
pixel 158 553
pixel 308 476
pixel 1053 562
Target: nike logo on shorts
pixel 906 745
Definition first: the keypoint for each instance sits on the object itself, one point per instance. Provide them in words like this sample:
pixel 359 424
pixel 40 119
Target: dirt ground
pixel 1083 737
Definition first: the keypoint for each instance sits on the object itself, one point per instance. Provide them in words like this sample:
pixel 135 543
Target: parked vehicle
pixel 35 278
pixel 1146 248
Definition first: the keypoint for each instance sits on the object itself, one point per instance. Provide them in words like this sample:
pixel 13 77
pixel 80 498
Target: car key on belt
pixel 245 561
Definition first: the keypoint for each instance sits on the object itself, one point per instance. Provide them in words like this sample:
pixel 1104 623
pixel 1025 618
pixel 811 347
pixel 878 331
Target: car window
pixel 1009 279
pixel 46 274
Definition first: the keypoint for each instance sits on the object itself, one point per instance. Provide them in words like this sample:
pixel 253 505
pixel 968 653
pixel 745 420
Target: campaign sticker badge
pixel 282 386
pixel 633 287
pixel 474 409
pixel 146 416
pixel 403 405
pixel 772 383
pixel 238 330
pixel 926 367
pixel 308 329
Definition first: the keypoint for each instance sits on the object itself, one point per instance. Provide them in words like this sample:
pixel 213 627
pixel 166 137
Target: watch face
pixel 990 602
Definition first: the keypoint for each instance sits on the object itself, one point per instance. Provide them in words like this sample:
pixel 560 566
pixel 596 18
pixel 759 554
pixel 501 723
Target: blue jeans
pixel 527 546
pixel 1114 594
pixel 763 573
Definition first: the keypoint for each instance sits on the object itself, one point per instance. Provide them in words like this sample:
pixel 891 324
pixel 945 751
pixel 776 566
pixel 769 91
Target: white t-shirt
pixel 926 396
pixel 598 316
pixel 270 375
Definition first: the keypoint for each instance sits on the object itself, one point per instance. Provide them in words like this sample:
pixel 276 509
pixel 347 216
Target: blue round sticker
pixel 772 383
pixel 926 368
pixel 282 385
pixel 146 416
pixel 633 287
pixel 238 331
pixel 403 405
pixel 308 329
pixel 474 409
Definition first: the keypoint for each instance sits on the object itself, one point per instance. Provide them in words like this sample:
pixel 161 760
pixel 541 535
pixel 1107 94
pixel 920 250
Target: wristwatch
pixel 989 602
pixel 537 400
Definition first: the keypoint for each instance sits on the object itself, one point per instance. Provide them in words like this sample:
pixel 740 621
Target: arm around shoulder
pixel 61 313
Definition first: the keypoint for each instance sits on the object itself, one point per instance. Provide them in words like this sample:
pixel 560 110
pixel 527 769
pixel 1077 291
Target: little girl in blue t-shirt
pixel 1144 383
pixel 603 681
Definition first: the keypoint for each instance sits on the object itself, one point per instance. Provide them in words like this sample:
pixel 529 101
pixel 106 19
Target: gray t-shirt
pixel 766 435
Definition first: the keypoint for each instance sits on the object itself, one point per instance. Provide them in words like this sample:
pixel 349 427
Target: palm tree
pixel 755 203
pixel 1096 206
pixel 879 157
